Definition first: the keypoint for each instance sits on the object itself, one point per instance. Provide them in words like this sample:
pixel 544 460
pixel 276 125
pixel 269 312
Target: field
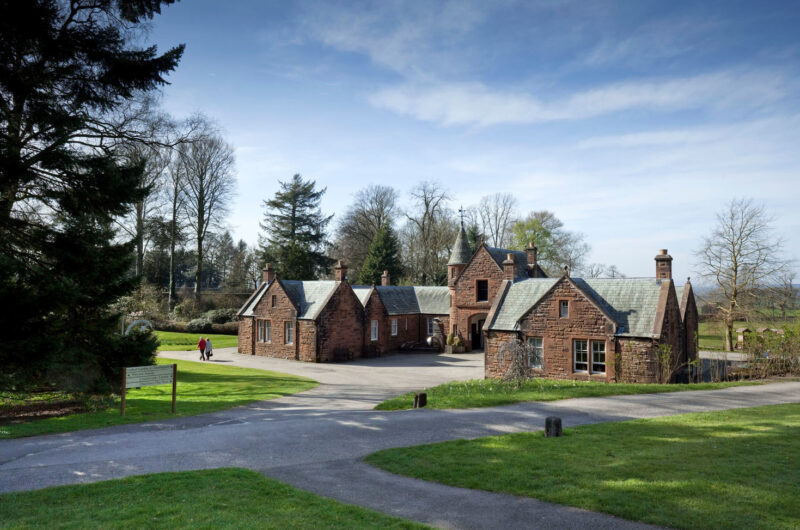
pixel 219 498
pixel 202 387
pixel 175 341
pixel 730 469
pixel 493 393
pixel 711 335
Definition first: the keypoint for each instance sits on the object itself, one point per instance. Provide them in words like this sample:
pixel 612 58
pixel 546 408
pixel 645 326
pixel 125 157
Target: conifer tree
pixel 295 239
pixel 383 255
pixel 69 75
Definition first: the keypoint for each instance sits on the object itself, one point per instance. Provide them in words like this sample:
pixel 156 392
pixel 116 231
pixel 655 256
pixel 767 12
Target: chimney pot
pixel 340 272
pixel 386 279
pixel 663 265
pixel 509 266
pixel 267 274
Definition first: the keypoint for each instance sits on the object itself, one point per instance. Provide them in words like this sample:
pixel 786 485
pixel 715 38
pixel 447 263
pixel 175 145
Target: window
pixel 581 356
pixel 394 327
pixel 563 309
pixel 453 272
pixel 274 300
pixel 288 328
pixel 598 357
pixel 374 331
pixel 406 323
pixel 482 290
pixel 536 352
pixel 264 331
pixel 455 330
pixel 430 326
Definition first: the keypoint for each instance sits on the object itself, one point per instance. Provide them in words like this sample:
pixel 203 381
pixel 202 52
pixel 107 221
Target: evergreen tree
pixel 68 73
pixel 383 255
pixel 295 239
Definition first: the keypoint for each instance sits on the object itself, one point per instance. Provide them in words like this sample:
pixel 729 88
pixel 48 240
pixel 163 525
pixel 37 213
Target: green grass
pixel 492 393
pixel 731 469
pixel 176 341
pixel 219 498
pixel 711 335
pixel 202 387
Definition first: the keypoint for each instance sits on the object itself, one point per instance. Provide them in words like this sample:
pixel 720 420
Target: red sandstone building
pixel 598 329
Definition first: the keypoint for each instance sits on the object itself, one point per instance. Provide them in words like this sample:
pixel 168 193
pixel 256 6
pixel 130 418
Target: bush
pixel 170 325
pixel 199 325
pixel 229 328
pixel 221 316
pixel 187 309
pixel 449 339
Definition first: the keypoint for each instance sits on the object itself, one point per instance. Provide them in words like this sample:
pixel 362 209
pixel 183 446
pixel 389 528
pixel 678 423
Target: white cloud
pixel 477 104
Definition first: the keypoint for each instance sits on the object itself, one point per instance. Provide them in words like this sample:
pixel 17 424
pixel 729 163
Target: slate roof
pixel 362 293
pixel 411 300
pixel 461 252
pixel 631 302
pixel 247 308
pixel 521 258
pixel 309 296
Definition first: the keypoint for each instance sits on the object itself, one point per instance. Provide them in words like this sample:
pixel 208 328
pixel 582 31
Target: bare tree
pixel 208 183
pixel 428 234
pixel 497 213
pixel 784 293
pixel 372 207
pixel 174 199
pixel 740 256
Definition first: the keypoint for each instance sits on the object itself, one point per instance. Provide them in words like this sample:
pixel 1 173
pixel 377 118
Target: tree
pixel 383 255
pixel 207 182
pixel 740 256
pixel 496 213
pixel 372 208
pixel 295 238
pixel 556 246
pixel 428 235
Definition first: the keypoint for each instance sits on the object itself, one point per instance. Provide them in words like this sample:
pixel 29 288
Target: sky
pixel 635 122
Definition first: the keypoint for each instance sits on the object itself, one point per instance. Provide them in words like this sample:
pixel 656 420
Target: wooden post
pixel 124 370
pixel 552 426
pixel 174 384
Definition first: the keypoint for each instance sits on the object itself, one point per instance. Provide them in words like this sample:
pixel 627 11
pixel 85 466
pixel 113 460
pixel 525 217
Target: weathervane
pixel 461 211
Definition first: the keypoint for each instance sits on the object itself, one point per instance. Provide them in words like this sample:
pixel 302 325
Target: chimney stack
pixel 268 274
pixel 508 267
pixel 663 265
pixel 340 272
pixel 386 279
pixel 531 252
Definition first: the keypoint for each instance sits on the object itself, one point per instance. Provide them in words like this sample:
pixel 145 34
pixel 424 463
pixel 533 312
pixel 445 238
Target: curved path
pixel 315 440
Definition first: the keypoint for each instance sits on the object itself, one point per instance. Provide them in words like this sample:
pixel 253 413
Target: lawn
pixel 492 393
pixel 202 387
pixel 176 341
pixel 711 335
pixel 731 469
pixel 219 498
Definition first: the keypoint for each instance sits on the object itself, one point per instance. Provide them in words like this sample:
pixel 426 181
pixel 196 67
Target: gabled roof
pixel 461 251
pixel 309 297
pixel 247 308
pixel 413 300
pixel 520 257
pixel 631 302
pixel 683 293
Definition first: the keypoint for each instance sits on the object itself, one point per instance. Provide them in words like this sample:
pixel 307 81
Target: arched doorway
pixel 476 323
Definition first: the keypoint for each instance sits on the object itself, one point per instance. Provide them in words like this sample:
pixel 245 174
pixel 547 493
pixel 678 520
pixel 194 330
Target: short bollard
pixel 552 426
pixel 420 400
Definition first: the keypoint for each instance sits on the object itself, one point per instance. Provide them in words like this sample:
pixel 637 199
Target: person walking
pixel 209 349
pixel 202 347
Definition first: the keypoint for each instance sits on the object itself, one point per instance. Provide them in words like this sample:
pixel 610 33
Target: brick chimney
pixel 663 265
pixel 340 272
pixel 530 250
pixel 386 279
pixel 267 274
pixel 509 266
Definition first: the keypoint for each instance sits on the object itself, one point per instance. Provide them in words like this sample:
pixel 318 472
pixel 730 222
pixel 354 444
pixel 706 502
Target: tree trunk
pixel 139 238
pixel 199 272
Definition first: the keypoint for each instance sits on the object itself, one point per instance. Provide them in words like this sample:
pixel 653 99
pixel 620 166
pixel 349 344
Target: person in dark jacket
pixel 202 347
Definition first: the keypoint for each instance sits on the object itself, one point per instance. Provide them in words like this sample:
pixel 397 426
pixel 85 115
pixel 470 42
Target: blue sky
pixel 633 121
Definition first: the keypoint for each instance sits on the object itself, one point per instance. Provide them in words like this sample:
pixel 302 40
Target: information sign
pixel 139 376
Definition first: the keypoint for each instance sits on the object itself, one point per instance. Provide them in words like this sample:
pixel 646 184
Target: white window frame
pixel 260 326
pixel 394 327
pixel 598 343
pixel 585 354
pixel 267 331
pixel 430 326
pixel 288 332
pixel 563 309
pixel 374 330
pixel 536 352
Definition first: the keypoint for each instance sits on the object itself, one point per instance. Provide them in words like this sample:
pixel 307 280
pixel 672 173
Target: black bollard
pixel 420 400
pixel 552 426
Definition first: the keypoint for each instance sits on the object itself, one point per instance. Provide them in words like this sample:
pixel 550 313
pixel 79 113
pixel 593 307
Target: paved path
pixel 315 440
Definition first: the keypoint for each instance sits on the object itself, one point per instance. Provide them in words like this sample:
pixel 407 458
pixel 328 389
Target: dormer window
pixel 563 309
pixel 482 290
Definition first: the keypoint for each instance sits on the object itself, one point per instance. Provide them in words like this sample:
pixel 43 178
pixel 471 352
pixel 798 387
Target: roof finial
pixel 566 270
pixel 461 212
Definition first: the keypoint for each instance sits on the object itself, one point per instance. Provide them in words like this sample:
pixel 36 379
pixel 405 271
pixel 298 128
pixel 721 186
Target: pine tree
pixel 67 72
pixel 295 239
pixel 383 255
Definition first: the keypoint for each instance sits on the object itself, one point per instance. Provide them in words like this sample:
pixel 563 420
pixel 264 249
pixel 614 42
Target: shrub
pixel 221 316
pixel 170 325
pixel 199 325
pixel 450 339
pixel 229 328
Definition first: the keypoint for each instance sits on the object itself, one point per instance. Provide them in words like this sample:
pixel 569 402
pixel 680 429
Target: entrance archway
pixel 475 327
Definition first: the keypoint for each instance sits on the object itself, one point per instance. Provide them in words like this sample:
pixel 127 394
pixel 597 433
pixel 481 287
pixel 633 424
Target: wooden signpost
pixel 138 376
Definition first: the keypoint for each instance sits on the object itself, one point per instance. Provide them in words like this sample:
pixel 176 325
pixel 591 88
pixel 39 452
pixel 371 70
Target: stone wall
pixel 464 302
pixel 246 334
pixel 340 326
pixel 494 366
pixel 284 311
pixel 690 327
pixel 637 360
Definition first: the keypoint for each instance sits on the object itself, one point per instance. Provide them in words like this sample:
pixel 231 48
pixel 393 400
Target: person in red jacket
pixel 202 347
